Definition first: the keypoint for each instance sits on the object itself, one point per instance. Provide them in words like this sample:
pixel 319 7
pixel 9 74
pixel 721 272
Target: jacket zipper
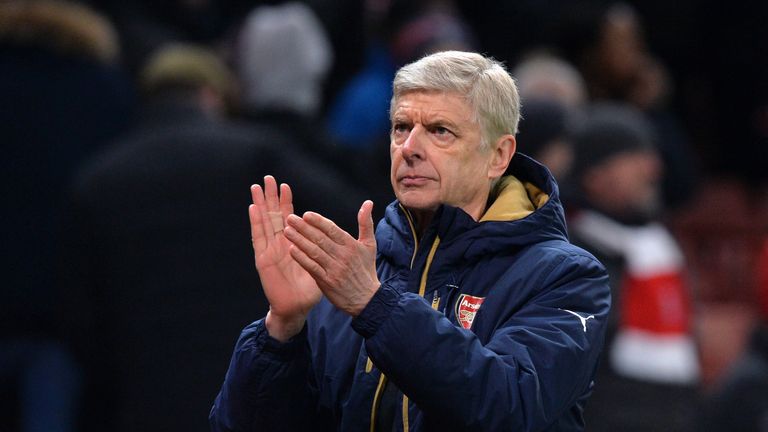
pixel 435 303
pixel 369 364
pixel 422 290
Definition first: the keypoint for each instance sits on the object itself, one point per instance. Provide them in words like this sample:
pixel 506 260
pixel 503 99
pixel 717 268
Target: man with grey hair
pixel 283 56
pixel 467 310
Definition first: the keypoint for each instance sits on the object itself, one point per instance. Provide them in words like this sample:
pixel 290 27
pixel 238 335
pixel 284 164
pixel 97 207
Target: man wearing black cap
pixel 545 135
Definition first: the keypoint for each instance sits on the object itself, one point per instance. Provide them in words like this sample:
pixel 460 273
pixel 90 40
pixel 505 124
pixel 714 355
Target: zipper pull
pixel 435 300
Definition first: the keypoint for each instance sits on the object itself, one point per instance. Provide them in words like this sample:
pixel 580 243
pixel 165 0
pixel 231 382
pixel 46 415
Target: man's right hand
pixel 290 290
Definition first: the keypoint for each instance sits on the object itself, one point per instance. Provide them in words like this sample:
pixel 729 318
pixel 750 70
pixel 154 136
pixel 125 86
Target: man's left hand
pixel 343 267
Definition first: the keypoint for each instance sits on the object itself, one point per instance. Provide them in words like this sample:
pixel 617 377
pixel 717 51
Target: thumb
pixel 365 224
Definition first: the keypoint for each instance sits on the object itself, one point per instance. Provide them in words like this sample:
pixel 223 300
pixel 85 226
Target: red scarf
pixel 654 341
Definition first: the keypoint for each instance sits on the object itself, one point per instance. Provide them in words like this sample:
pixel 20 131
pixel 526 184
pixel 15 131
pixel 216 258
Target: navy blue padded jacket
pixel 490 325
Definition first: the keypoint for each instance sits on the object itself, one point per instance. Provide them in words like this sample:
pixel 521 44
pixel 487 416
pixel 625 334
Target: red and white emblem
pixel 466 309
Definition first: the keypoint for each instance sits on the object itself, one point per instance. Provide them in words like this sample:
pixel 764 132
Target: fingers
pixel 327 227
pixel 273 204
pixel 319 231
pixel 307 263
pixel 258 238
pixel 268 211
pixel 261 225
pixel 286 201
pixel 365 224
pixel 317 237
pixel 310 240
pixel 343 267
pixel 270 193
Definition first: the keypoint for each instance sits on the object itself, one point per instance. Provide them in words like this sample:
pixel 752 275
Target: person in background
pixel 649 375
pixel 545 135
pixel 545 76
pixel 281 58
pixel 607 43
pixel 739 401
pixel 554 98
pixel 62 95
pixel 157 257
pixel 467 308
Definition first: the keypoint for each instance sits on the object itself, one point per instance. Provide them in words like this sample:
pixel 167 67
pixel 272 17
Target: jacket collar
pixel 526 210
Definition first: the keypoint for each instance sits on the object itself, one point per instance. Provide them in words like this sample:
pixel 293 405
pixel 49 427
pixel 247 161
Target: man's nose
pixel 413 147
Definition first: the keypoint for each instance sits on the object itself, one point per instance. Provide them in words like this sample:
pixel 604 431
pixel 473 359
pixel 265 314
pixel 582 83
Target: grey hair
pixel 483 81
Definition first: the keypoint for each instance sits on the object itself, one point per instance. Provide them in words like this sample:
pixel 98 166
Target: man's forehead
pixel 434 103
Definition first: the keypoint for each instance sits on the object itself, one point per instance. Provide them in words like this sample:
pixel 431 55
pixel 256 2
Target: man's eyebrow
pixel 442 121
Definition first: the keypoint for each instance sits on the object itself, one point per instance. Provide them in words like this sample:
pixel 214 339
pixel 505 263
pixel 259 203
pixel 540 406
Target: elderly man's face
pixel 436 155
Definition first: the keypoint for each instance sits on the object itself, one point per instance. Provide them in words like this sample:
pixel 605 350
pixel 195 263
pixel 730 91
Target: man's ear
pixel 503 150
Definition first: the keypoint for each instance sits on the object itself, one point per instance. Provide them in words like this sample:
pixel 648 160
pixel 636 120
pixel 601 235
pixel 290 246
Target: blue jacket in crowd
pixel 490 325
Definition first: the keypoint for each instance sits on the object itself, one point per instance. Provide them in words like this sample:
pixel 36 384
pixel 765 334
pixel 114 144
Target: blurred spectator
pixel 545 76
pixel 740 400
pixel 648 379
pixel 181 76
pixel 160 260
pixel 61 95
pixel 606 42
pixel 554 96
pixel 545 135
pixel 285 92
pixel 359 115
pixel 282 59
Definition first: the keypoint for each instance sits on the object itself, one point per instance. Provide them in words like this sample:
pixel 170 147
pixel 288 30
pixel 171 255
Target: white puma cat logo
pixel 581 318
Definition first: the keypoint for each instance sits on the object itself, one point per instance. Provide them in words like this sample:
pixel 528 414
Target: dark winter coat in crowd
pixel 61 96
pixel 162 265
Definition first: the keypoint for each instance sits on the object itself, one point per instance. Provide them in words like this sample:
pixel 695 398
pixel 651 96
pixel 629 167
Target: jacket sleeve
pixel 534 367
pixel 268 385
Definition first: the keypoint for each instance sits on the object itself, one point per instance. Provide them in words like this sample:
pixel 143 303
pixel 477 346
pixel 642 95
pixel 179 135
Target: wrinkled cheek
pixel 451 193
pixel 395 163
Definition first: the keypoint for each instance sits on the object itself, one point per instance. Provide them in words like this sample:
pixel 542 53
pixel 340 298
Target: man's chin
pixel 416 203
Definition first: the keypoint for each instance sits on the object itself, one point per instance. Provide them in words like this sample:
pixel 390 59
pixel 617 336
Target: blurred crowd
pixel 132 131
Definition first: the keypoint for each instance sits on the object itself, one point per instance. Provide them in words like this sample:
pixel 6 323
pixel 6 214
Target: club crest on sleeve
pixel 466 309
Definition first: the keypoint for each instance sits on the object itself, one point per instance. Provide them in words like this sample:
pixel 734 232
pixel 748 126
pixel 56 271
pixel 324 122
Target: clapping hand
pixel 290 289
pixel 301 258
pixel 343 267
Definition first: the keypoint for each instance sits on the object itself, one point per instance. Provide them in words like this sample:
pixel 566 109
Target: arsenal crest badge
pixel 466 308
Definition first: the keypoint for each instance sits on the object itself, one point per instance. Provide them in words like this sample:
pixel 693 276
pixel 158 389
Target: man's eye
pixel 441 131
pixel 399 128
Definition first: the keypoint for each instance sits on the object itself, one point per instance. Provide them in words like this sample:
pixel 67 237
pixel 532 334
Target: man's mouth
pixel 413 180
